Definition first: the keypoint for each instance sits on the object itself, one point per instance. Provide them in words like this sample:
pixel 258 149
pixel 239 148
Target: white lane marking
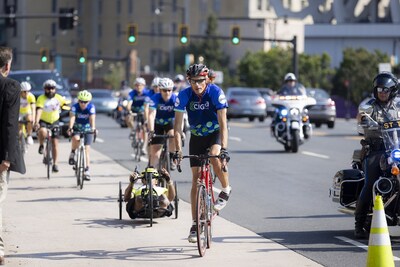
pixel 315 155
pixel 358 244
pixel 144 159
pixel 99 140
pixel 234 138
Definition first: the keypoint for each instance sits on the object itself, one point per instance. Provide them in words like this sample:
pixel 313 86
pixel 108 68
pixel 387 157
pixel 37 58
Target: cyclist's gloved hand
pixel 177 155
pixel 36 127
pixel 165 174
pixel 69 131
pixel 224 155
pixel 133 176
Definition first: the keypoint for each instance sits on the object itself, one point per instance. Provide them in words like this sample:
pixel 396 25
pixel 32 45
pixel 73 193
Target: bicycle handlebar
pixel 82 133
pixel 201 158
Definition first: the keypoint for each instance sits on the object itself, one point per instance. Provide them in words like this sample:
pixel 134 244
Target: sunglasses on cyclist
pixel 83 102
pixel 49 88
pixel 166 90
pixel 197 81
pixel 382 89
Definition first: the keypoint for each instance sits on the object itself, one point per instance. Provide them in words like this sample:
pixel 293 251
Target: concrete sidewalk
pixel 52 223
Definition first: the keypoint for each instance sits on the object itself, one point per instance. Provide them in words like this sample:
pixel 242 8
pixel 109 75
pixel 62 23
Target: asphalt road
pixel 281 196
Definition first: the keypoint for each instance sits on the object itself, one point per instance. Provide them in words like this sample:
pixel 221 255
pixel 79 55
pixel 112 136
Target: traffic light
pixel 68 18
pixel 183 34
pixel 235 35
pixel 82 55
pixel 132 33
pixel 44 55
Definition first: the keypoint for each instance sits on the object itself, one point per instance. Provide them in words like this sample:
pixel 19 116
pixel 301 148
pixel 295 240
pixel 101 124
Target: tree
pixel 357 69
pixel 115 75
pixel 315 71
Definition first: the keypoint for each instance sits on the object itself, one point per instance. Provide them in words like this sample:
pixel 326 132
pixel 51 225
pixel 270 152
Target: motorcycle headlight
pixel 284 112
pixel 396 154
pixel 125 103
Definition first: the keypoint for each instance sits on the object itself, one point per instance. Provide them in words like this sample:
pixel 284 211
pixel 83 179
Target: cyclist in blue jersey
pixel 82 119
pixel 136 100
pixel 161 120
pixel 206 107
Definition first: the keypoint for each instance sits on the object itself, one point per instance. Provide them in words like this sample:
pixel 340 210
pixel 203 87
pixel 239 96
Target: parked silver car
pixel 245 102
pixel 324 111
pixel 104 100
pixel 268 94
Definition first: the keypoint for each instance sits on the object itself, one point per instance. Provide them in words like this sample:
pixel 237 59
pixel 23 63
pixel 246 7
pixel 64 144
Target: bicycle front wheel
pixel 201 220
pixel 48 158
pixel 81 167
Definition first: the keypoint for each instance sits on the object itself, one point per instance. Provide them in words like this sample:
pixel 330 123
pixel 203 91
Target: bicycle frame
pixel 81 160
pixel 138 138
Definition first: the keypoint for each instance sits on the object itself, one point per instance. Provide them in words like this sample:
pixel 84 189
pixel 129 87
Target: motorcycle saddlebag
pixel 347 186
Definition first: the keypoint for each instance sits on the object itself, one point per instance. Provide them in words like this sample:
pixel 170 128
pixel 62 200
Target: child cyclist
pixel 27 109
pixel 82 119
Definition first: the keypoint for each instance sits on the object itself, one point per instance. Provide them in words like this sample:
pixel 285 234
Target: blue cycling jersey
pixel 202 110
pixel 165 110
pixel 138 100
pixel 82 116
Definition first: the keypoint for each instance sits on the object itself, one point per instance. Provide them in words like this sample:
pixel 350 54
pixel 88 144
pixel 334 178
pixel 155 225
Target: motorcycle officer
pixel 383 109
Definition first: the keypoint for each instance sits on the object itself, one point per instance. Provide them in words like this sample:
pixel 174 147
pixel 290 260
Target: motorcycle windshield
pixel 391 135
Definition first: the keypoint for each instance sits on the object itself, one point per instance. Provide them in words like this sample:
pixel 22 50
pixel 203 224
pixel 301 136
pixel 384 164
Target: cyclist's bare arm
pixel 33 108
pixel 129 106
pixel 223 127
pixel 39 112
pixel 128 192
pixel 71 120
pixel 152 116
pixel 92 121
pixel 178 130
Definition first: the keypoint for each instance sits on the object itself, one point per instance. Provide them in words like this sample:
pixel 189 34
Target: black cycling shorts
pixel 161 130
pixel 55 133
pixel 198 145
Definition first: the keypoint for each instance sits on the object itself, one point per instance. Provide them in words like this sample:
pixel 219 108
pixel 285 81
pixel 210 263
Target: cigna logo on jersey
pixel 199 106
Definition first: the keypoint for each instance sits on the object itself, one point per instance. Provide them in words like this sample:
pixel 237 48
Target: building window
pixel 54 6
pixel 259 4
pixel 118 30
pixel 53 29
pixel 99 31
pixel 217 6
pixel 160 28
pixel 152 28
pixel 267 5
pixel 130 7
pixel 100 6
pixel 118 7
pixel 117 53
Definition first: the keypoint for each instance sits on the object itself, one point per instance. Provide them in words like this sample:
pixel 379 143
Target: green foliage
pixel 315 71
pixel 115 75
pixel 359 67
pixel 264 69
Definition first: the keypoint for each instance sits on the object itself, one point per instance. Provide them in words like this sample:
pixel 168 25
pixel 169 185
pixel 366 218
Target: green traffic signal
pixel 44 59
pixel 184 40
pixel 44 55
pixel 235 40
pixel 82 55
pixel 132 33
pixel 82 60
pixel 183 34
pixel 235 35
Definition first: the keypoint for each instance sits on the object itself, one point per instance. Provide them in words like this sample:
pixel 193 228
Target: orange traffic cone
pixel 379 248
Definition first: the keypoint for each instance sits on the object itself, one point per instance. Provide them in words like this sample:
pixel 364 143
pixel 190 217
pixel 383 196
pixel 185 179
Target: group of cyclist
pixel 43 114
pixel 160 110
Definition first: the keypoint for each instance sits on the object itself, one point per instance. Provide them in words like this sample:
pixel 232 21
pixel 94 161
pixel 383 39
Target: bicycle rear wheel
pixel 201 220
pixel 164 159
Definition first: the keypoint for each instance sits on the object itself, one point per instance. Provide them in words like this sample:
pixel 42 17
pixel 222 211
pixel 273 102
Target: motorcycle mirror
pixel 366 109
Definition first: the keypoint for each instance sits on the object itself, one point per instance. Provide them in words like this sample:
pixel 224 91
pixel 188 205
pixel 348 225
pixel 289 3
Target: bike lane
pixel 52 223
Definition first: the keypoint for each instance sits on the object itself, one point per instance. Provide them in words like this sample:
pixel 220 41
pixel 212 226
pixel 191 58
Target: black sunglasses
pixel 50 88
pixel 166 90
pixel 83 102
pixel 382 89
pixel 199 81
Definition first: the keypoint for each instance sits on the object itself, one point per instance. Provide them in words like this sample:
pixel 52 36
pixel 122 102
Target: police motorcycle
pixel 291 125
pixel 348 183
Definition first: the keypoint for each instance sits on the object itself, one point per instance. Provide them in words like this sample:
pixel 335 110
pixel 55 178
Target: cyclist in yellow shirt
pixel 27 109
pixel 48 108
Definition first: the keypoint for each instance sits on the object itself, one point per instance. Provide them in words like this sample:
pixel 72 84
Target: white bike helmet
pixel 155 81
pixel 140 80
pixel 25 87
pixel 49 83
pixel 290 77
pixel 166 83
